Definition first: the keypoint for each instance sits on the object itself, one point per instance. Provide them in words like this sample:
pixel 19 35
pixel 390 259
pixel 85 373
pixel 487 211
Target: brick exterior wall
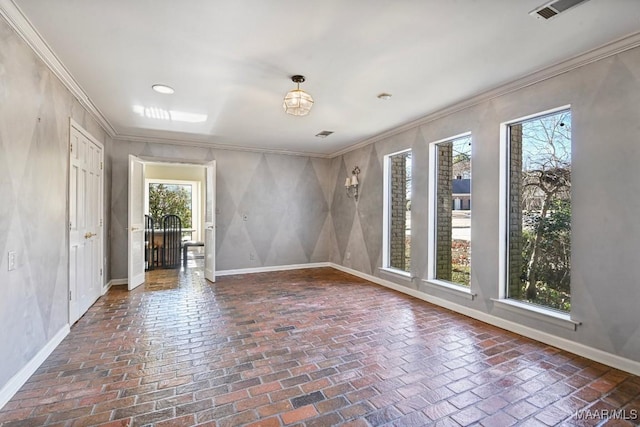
pixel 443 211
pixel 515 212
pixel 398 190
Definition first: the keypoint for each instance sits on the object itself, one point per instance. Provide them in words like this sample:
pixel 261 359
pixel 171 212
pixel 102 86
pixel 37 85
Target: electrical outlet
pixel 12 260
pixel 348 255
pixel 252 257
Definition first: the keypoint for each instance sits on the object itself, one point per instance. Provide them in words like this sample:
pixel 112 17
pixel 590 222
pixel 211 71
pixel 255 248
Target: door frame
pixel 210 232
pixel 169 161
pixel 75 125
pixel 137 280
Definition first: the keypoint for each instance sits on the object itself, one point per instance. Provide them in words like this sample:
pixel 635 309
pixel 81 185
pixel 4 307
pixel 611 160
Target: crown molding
pixel 19 22
pixel 215 146
pixel 607 50
pixel 21 25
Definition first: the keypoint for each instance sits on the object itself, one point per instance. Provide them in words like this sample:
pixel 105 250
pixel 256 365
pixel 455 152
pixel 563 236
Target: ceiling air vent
pixel 552 9
pixel 324 134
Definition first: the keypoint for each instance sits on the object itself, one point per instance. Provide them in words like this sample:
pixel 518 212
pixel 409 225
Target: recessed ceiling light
pixel 384 96
pixel 163 89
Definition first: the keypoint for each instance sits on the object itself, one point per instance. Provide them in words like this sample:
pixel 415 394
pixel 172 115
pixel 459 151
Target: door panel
pixel 85 222
pixel 136 222
pixel 76 244
pixel 210 223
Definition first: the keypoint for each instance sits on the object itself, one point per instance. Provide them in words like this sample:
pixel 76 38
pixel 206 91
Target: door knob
pixel 89 235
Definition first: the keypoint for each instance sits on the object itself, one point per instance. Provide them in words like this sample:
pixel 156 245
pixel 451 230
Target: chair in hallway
pixel 171 241
pixel 150 248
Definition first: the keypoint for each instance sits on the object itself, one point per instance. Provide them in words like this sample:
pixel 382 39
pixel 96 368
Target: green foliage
pixel 553 269
pixel 170 199
pixel 461 274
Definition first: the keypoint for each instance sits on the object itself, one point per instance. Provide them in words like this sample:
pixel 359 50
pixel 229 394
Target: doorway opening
pixel 172 221
pixel 176 190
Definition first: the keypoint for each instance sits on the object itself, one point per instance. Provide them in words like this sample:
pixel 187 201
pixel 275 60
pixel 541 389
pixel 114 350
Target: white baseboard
pixel 272 268
pixel 118 282
pixel 595 354
pixel 18 380
pixel 106 287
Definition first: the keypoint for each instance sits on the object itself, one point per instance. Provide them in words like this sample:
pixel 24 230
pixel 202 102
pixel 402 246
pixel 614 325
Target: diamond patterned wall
pixel 605 102
pixel 34 136
pixel 283 198
pixel 298 211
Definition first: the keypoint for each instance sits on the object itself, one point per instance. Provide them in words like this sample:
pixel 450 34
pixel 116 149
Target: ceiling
pixel 233 60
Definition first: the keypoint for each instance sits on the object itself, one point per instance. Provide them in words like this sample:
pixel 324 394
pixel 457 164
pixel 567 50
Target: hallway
pixel 313 347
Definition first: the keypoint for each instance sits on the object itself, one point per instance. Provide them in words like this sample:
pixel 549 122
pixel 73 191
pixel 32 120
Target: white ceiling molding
pixel 21 25
pixel 16 19
pixel 215 146
pixel 613 48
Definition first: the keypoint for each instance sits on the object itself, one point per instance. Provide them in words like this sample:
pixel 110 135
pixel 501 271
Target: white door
pixel 85 221
pixel 210 222
pixel 136 222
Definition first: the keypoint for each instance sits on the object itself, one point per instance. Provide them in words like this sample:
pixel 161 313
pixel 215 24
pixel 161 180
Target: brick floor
pixel 309 347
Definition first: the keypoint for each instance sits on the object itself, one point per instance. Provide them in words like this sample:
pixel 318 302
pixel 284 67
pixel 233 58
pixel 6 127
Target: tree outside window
pixel 539 260
pixel 171 199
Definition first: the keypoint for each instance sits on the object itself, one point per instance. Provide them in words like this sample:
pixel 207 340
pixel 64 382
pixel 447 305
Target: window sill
pixel 394 271
pixel 450 288
pixel 538 313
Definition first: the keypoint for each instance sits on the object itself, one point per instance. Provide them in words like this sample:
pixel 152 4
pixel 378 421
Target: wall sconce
pixel 352 184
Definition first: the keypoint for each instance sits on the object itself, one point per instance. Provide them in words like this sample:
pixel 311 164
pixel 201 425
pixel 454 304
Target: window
pixel 450 214
pixel 397 211
pixel 179 198
pixel 538 210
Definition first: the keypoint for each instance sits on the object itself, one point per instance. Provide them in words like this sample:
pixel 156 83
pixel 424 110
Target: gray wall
pixel 298 211
pixel 605 103
pixel 286 200
pixel 34 138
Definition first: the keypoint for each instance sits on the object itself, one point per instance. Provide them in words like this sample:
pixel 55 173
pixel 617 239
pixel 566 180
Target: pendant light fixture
pixel 297 102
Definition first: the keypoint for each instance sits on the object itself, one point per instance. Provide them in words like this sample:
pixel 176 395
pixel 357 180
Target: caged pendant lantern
pixel 297 102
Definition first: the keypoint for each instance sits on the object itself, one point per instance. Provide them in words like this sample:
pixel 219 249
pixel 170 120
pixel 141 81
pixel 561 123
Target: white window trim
pixel 195 199
pixel 433 209
pixel 503 223
pixel 396 271
pixel 535 311
pixel 450 287
pixel 538 312
pixel 386 214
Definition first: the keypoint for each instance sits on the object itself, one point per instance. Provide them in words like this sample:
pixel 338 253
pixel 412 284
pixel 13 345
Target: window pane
pixel 171 199
pixel 539 260
pixel 400 211
pixel 453 211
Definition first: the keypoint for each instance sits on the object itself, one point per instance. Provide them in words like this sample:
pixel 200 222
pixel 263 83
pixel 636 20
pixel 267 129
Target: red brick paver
pixel 312 347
